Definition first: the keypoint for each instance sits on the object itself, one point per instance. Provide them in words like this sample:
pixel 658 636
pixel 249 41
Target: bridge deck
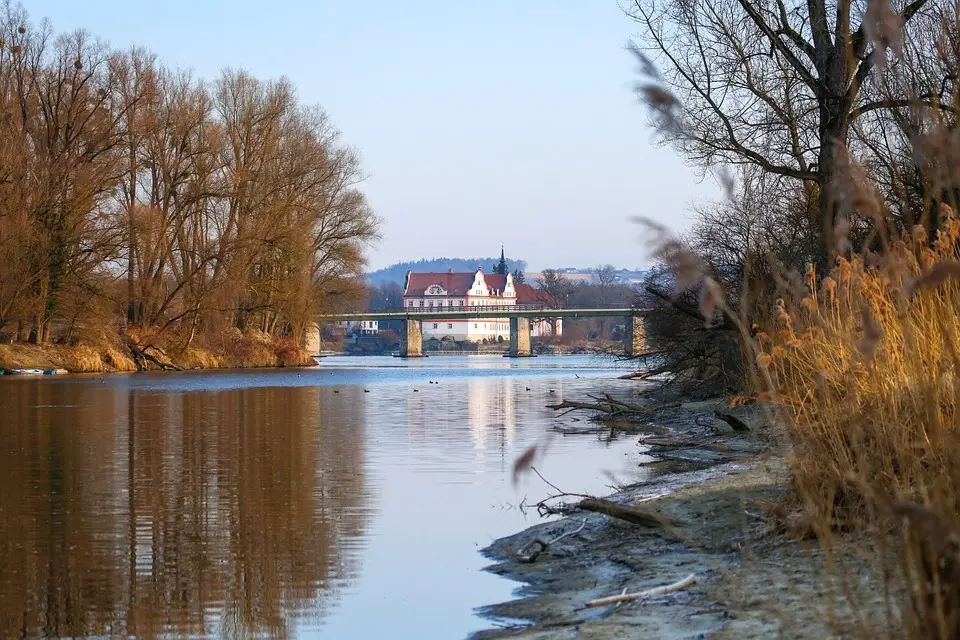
pixel 470 313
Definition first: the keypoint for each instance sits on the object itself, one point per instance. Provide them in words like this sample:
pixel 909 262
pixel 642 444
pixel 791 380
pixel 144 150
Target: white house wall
pixel 478 295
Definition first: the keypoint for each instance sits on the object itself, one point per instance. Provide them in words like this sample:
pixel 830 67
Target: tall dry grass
pixel 231 350
pixel 865 364
pixel 79 359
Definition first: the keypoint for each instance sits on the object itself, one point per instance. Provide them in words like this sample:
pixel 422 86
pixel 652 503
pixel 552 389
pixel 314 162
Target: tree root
pixel 142 355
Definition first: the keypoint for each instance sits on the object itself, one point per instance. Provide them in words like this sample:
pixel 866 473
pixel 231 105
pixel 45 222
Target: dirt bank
pixel 239 352
pixel 753 579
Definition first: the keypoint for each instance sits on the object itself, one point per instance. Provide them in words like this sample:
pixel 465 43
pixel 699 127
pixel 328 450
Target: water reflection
pixel 141 512
pixel 346 501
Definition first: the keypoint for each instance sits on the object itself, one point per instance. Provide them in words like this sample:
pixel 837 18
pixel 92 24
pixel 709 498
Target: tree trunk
pixel 833 134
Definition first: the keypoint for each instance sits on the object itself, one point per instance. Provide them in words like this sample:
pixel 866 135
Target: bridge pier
pixel 634 336
pixel 411 342
pixel 519 338
pixel 311 339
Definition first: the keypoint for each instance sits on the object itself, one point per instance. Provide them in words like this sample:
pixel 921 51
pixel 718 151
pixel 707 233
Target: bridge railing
pixel 495 308
pixel 486 309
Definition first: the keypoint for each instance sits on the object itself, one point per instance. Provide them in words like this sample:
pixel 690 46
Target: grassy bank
pixel 231 352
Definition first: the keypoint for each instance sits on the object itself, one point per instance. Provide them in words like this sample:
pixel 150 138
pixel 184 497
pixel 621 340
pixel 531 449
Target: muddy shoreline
pixel 754 579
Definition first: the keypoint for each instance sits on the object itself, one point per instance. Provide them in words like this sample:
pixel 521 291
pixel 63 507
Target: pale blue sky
pixel 479 123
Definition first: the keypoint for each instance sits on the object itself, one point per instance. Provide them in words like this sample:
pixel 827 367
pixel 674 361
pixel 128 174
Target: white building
pixel 457 291
pixel 360 327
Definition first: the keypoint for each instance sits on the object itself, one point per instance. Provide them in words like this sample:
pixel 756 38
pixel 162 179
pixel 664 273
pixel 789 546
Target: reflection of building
pixel 491 410
pixel 459 291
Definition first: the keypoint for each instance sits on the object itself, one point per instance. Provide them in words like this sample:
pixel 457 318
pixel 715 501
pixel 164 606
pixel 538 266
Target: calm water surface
pixel 346 501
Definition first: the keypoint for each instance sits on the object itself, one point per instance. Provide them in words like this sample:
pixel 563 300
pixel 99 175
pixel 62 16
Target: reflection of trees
pixel 196 513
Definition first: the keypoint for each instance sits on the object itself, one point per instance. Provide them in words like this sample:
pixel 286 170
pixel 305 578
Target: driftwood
pixel 647 593
pixel 532 550
pixel 627 512
pixel 611 407
pixel 665 445
pixel 735 423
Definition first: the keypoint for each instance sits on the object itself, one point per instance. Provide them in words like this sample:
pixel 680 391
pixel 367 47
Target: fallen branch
pixel 611 407
pixel 735 423
pixel 627 512
pixel 524 556
pixel 141 355
pixel 648 593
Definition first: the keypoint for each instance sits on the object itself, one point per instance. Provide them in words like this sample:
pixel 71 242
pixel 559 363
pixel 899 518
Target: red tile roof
pixel 455 284
pixel 495 281
pixel 458 284
pixel 527 294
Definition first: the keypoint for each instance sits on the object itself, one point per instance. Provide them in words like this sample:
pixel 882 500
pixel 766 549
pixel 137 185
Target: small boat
pixel 35 372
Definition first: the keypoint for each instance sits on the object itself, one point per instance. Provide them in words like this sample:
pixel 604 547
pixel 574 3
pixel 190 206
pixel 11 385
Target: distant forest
pixel 397 272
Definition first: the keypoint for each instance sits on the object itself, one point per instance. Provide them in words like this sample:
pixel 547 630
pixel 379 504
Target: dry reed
pixel 866 369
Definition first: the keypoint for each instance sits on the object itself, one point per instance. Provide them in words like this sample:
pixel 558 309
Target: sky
pixel 478 123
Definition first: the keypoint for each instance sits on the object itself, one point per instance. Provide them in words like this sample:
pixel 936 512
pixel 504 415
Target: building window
pixel 421 303
pixel 449 325
pixel 474 325
pixel 461 303
pixel 434 325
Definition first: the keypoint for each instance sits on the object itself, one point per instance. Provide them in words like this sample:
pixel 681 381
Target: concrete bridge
pixel 411 342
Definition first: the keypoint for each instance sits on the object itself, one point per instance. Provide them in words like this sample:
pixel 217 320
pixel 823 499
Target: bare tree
pixel 772 83
pixel 558 290
pixel 606 277
pixel 221 207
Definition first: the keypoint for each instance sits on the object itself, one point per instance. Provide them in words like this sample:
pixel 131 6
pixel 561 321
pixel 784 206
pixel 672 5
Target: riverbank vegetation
pixel 864 369
pixel 141 206
pixel 828 281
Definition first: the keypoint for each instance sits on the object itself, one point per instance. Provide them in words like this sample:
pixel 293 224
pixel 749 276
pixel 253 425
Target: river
pixel 344 501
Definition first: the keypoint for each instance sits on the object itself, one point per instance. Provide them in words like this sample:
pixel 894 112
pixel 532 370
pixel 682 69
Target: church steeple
pixel 502 267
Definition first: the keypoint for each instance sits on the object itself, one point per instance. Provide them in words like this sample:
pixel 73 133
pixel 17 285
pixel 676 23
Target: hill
pixel 397 272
